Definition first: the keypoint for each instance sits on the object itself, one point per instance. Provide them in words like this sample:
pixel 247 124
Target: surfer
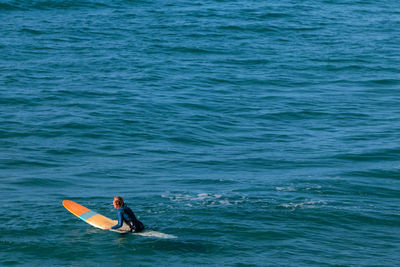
pixel 126 218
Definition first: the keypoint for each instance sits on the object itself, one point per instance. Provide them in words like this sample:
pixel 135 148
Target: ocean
pixel 260 133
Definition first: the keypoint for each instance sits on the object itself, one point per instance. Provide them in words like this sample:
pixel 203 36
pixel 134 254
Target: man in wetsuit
pixel 126 215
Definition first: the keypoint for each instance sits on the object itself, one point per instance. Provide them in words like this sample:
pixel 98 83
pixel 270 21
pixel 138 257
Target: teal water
pixel 260 133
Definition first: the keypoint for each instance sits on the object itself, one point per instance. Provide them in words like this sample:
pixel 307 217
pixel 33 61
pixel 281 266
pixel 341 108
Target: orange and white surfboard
pixel 87 215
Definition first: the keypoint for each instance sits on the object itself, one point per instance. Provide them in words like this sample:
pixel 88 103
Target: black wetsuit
pixel 126 215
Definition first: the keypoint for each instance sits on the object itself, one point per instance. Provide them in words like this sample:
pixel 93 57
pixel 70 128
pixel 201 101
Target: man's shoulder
pixel 127 209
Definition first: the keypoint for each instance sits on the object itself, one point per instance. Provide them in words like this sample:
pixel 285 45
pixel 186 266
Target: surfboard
pixel 102 222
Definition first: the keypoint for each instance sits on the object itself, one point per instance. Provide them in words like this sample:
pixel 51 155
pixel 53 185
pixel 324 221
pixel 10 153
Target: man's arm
pixel 120 221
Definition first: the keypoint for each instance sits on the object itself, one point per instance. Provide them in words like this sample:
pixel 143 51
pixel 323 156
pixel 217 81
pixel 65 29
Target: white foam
pixel 224 202
pixel 307 204
pixel 148 233
pixel 205 199
pixel 155 234
pixel 290 189
pixel 314 187
pixel 201 196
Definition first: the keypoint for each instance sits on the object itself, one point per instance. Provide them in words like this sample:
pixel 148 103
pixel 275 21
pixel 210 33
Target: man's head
pixel 118 202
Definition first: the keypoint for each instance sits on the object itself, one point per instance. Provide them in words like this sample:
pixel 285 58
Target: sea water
pixel 260 133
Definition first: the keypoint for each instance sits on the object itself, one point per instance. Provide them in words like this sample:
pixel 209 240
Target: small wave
pixel 204 199
pixel 207 181
pixel 40 182
pixel 314 187
pixel 31 163
pixel 201 196
pixel 274 15
pixel 11 6
pixel 249 28
pixel 374 155
pixel 49 4
pixel 303 205
pixel 298 115
pixel 31 31
pixel 289 189
pixel 67 151
pixel 152 233
pixel 303 187
pixel 194 50
pixel 385 82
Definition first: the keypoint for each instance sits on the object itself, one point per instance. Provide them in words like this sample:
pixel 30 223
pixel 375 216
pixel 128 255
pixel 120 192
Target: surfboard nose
pixel 74 207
